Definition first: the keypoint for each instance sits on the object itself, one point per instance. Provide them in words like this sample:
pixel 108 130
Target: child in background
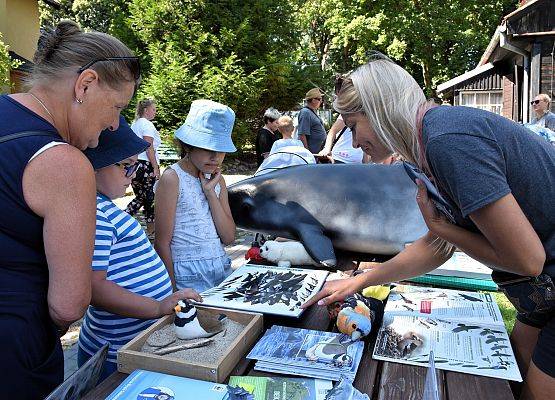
pixel 193 219
pixel 286 128
pixel 130 286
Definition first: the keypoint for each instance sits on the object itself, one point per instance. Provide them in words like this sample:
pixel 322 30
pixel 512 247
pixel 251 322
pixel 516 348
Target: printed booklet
pixel 265 388
pixel 266 289
pixel 305 352
pixel 464 330
pixel 148 385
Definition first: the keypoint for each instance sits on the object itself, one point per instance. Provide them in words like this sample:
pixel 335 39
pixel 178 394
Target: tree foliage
pixel 233 51
pixel 6 64
pixel 252 54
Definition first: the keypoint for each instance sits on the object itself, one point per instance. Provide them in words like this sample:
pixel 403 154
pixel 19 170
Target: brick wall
pixel 508 97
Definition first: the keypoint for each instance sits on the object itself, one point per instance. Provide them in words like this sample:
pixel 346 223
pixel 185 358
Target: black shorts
pixel 534 300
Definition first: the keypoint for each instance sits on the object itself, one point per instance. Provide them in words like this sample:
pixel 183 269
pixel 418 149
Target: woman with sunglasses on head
pixel 131 287
pixel 149 173
pixel 47 197
pixel 502 204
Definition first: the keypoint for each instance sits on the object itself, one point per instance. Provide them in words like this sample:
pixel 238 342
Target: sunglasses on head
pixel 129 169
pixel 132 64
pixel 534 102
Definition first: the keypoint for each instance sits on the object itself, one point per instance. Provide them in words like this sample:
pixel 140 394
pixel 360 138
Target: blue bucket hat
pixel 208 126
pixel 115 146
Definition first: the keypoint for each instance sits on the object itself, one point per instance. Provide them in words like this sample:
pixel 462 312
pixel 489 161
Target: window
pixel 490 101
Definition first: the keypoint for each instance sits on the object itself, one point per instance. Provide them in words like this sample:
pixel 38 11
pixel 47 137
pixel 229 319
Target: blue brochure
pixel 148 385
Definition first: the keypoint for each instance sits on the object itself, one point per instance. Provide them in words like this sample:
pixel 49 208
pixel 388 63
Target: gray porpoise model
pixel 368 209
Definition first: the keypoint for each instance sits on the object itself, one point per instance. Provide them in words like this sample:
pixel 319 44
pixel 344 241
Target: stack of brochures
pixel 265 388
pixel 304 352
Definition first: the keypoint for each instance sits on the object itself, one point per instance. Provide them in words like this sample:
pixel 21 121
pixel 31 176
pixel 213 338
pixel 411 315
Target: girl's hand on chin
pixel 208 185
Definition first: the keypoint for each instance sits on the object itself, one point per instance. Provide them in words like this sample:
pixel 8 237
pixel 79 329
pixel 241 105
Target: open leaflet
pixel 464 330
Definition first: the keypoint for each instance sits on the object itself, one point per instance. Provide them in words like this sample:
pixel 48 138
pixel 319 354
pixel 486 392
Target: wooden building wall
pixel 547 70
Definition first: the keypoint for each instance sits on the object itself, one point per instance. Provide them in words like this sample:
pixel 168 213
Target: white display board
pixel 266 289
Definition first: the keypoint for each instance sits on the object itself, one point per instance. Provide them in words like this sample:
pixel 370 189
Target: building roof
pixel 464 77
pixel 524 9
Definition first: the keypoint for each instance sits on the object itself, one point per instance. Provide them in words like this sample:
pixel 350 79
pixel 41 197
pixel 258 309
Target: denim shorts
pixel 534 300
pixel 201 275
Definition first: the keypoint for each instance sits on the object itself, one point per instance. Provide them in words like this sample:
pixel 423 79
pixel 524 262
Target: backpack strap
pixel 26 134
pixel 338 137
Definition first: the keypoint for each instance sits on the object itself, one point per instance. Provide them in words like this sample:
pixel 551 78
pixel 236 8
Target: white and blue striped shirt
pixel 123 250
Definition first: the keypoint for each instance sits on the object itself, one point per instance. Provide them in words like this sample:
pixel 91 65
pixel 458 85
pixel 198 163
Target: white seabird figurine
pixel 186 324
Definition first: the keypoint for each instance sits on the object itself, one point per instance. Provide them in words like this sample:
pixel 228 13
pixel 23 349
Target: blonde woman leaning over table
pixel 501 202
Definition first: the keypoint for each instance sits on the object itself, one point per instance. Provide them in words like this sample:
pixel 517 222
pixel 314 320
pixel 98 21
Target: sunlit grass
pixel 508 312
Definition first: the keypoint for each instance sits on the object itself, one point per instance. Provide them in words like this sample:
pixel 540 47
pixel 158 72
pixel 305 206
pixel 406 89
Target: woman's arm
pixel 117 300
pixel 165 203
pixel 417 259
pixel 59 186
pixel 332 134
pixel 507 241
pixel 150 153
pixel 219 206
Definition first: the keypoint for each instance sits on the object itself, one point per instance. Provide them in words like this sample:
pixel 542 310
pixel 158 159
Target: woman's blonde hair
pixel 66 48
pixel 391 100
pixel 142 105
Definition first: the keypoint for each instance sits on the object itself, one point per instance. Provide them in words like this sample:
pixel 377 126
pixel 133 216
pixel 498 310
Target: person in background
pixel 286 128
pixel 149 173
pixel 79 84
pixel 542 108
pixel 502 204
pixel 267 135
pixel 131 287
pixel 310 129
pixel 193 219
pixel 339 149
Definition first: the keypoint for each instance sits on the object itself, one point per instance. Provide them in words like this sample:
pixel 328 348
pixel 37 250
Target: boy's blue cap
pixel 208 126
pixel 115 146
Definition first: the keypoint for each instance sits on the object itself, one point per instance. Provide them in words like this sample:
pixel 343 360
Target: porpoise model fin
pixel 317 245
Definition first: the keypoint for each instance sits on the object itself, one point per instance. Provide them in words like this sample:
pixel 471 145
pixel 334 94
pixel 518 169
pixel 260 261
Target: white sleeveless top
pixel 194 234
pixel 344 150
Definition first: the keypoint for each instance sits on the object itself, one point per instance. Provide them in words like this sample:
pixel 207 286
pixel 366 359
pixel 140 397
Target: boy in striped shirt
pixel 131 287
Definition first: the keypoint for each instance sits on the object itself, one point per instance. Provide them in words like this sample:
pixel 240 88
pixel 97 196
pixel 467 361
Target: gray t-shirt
pixel 547 120
pixel 312 127
pixel 478 157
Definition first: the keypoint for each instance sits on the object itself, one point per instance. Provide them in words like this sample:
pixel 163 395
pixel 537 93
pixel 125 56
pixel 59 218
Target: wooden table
pixel 379 379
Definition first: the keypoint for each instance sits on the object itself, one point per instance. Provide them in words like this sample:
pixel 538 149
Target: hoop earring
pixel 80 101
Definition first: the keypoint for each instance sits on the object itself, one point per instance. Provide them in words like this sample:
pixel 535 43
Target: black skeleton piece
pixel 267 288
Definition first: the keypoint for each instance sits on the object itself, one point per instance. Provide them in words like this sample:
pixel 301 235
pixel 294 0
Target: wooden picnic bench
pixel 379 379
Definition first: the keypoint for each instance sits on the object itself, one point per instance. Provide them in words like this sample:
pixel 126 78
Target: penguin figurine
pixel 357 314
pixel 332 351
pixel 186 324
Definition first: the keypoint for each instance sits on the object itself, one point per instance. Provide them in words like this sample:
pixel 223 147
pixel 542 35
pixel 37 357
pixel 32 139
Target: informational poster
pixel 464 330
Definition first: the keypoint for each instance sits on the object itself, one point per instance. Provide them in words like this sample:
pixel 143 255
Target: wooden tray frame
pixel 130 357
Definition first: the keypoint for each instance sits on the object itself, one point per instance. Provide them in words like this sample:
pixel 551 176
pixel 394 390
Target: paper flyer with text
pixel 464 330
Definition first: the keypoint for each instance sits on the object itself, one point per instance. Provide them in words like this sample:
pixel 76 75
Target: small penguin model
pixel 186 324
pixel 357 314
pixel 331 351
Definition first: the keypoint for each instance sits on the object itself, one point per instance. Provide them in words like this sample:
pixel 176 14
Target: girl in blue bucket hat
pixel 193 219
